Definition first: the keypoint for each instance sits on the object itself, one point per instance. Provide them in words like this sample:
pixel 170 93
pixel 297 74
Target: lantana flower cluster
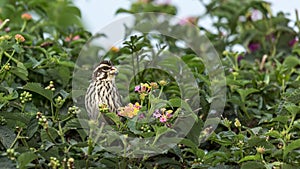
pixel 130 110
pixel 145 88
pixel 163 115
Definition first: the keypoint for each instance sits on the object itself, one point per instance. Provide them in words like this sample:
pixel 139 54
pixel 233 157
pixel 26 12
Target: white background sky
pixel 99 13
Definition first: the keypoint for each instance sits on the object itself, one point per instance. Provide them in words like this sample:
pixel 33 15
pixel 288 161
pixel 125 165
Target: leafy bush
pixel 39 124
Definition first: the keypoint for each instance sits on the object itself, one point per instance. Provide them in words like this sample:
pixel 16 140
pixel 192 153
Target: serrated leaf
pixel 292 108
pixel 32 127
pixel 36 87
pixel 26 158
pixel 72 124
pixel 160 130
pixel 290 147
pixel 7 136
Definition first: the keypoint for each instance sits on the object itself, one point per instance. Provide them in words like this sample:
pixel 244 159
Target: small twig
pixel 4 23
pixel 262 63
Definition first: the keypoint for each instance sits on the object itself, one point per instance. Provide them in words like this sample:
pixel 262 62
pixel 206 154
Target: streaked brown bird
pixel 102 90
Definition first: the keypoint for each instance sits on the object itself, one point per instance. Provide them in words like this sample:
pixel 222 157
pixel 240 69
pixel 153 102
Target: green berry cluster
pixel 42 120
pixel 145 128
pixel 70 163
pixel 2 121
pixel 197 161
pixel 5 37
pixel 59 101
pixel 25 97
pixel 74 110
pixel 11 153
pixel 7 66
pixel 54 163
pixel 103 108
pixel 50 86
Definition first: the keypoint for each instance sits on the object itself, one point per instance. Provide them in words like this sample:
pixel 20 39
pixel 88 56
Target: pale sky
pixel 98 14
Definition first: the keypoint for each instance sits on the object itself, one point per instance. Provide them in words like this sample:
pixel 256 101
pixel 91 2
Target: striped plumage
pixel 102 90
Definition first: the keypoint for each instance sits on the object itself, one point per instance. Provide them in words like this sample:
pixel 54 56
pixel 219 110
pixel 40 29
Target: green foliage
pixel 39 124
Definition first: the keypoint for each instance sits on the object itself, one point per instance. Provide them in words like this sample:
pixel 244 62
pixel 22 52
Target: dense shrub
pixel 39 126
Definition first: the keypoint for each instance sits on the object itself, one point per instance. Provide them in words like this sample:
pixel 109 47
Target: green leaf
pixel 292 108
pixel 32 127
pixel 62 74
pixel 49 136
pixel 132 125
pixel 20 71
pixel 4 99
pixel 36 87
pixel 253 165
pixel 26 158
pixel 114 117
pixel 6 163
pixel 292 146
pixel 245 92
pixel 175 102
pixel 291 61
pixel 250 158
pixel 160 130
pixel 7 136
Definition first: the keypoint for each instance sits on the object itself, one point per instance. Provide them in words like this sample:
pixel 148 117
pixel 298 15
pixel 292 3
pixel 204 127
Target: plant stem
pixel 61 134
pixel 16 139
pixel 49 135
pixel 24 26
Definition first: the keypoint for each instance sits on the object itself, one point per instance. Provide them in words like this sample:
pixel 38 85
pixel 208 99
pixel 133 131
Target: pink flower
pixel 169 114
pixel 254 46
pixel 256 15
pixel 137 88
pixel 163 2
pixel 188 20
pixel 156 114
pixel 141 116
pixel 293 42
pixel 19 38
pixel 76 37
pixel 271 37
pixel 240 57
pixel 163 119
pixel 72 38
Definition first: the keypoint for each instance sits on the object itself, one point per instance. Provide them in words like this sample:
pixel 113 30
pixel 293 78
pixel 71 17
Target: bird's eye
pixel 105 68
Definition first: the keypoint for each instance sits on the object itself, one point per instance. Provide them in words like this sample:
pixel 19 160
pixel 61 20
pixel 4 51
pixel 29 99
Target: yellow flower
pixel 163 82
pixel 237 123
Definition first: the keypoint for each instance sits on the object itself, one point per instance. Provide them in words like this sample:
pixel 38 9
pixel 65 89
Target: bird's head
pixel 105 71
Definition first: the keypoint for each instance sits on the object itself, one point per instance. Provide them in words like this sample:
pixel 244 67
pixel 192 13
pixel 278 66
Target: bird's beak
pixel 114 70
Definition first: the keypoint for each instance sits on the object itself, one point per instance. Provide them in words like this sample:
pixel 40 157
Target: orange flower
pixel 26 16
pixel 114 49
pixel 19 38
